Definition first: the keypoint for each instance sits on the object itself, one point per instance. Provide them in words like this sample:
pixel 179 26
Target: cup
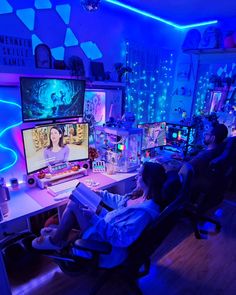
pixel 110 168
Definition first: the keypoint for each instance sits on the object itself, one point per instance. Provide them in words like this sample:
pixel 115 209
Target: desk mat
pixel 44 199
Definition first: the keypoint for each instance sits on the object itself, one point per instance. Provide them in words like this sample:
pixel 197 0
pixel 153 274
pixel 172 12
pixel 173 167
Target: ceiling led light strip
pixel 157 18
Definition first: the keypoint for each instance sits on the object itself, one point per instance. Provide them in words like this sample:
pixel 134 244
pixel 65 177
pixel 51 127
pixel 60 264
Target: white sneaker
pixel 44 243
pixel 48 231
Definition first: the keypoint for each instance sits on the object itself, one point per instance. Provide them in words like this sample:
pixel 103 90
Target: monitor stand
pixel 49 179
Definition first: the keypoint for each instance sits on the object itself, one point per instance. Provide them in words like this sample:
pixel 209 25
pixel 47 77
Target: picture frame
pixel 43 56
pixel 217 99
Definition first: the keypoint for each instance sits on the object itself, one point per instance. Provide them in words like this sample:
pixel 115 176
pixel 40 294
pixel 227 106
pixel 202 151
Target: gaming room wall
pixel 141 55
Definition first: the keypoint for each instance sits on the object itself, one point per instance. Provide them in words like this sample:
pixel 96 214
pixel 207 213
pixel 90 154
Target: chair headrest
pixel 171 187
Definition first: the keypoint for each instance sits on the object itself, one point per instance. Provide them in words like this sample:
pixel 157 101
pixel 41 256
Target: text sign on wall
pixel 15 51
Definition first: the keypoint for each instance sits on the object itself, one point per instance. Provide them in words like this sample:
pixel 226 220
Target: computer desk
pixel 26 202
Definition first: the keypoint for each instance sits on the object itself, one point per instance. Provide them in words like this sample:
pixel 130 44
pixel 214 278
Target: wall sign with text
pixel 15 51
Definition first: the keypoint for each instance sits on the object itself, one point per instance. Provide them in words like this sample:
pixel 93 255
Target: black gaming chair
pixel 137 263
pixel 219 170
pixel 226 163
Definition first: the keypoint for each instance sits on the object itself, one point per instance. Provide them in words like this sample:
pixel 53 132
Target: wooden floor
pixel 182 265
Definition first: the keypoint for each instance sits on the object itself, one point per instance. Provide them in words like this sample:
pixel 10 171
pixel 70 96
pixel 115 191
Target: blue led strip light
pixel 15 157
pixel 147 14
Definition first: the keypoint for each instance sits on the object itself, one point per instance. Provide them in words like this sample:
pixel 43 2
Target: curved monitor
pixel 52 144
pixel 154 135
pixel 51 98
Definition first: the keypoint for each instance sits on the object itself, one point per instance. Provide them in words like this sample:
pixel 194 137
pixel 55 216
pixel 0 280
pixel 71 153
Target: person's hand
pixel 87 212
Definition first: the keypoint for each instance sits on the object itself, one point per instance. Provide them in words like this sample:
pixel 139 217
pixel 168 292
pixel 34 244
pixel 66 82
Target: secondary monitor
pixel 178 136
pixel 51 98
pixel 54 144
pixel 154 135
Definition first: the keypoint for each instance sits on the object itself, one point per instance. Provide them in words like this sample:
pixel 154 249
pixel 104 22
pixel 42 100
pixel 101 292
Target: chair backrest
pixel 152 237
pixel 186 173
pixel 227 159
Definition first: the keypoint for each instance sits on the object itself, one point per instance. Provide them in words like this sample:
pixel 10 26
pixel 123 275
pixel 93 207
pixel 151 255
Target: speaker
pixel 30 180
pixel 84 164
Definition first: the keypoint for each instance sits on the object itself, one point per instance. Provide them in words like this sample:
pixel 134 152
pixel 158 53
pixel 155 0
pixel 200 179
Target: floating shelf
pixel 10 76
pixel 210 51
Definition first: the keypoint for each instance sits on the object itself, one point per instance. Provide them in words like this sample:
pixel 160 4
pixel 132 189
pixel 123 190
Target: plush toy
pixel 211 38
pixel 192 40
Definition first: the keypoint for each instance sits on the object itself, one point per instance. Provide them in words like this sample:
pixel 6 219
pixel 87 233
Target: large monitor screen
pixel 52 144
pixel 154 135
pixel 51 98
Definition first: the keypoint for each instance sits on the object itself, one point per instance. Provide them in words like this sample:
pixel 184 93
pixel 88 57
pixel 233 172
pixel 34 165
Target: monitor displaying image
pixel 154 135
pixel 177 135
pixel 95 106
pixel 51 98
pixel 54 144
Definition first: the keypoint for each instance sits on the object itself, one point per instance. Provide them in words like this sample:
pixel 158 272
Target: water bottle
pixel 4 197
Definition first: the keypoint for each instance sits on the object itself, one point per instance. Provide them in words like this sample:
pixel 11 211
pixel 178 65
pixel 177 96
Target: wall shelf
pixel 210 51
pixel 10 76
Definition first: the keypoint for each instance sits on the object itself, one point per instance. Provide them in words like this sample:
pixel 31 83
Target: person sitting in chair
pixel 214 141
pixel 121 226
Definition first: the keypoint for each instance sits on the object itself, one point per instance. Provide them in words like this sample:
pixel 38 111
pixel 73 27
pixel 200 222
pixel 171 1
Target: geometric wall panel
pixel 42 4
pixel 35 41
pixel 58 53
pixel 27 17
pixel 70 39
pixel 91 50
pixel 5 7
pixel 64 12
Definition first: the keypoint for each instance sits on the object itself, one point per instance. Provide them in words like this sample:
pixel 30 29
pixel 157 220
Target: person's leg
pixel 72 216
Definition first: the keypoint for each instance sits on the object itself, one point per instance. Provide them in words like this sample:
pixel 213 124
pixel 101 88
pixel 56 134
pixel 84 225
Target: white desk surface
pixel 26 202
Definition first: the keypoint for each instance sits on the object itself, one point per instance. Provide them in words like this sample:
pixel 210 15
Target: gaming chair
pixel 137 263
pixel 220 174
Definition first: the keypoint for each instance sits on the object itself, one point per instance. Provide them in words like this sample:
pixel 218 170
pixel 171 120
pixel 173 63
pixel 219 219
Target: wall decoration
pixel 15 51
pixel 214 77
pixel 217 99
pixel 149 85
pixel 183 71
pixel 43 57
pixel 192 39
pixel 8 154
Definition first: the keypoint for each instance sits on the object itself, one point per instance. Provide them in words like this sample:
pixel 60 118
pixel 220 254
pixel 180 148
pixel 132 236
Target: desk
pixel 27 202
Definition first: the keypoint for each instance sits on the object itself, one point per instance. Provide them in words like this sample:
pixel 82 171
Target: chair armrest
pixel 93 246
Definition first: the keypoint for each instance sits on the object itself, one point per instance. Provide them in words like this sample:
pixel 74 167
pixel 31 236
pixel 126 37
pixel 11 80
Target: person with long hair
pixel 56 152
pixel 121 226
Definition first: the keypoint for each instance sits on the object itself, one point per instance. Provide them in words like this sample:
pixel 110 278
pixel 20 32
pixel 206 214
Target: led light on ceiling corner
pixel 157 18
